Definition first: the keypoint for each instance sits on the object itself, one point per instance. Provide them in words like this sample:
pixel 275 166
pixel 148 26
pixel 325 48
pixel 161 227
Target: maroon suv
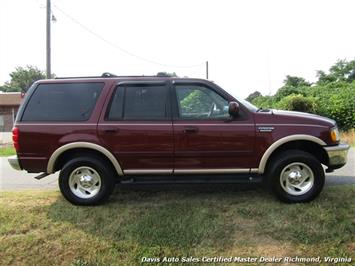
pixel 100 130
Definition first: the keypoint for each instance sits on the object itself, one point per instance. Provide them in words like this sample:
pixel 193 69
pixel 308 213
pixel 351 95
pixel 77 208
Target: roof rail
pixel 104 75
pixel 110 75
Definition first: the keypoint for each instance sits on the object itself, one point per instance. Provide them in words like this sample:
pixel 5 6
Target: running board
pixel 41 176
pixel 194 179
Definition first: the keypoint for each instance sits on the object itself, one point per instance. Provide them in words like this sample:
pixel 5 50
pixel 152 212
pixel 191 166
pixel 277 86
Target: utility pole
pixel 48 40
pixel 206 69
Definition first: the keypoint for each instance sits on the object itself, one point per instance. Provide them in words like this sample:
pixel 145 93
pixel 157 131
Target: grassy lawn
pixel 7 151
pixel 41 228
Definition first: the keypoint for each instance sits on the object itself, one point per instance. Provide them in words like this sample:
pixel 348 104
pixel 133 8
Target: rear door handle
pixel 188 130
pixel 111 130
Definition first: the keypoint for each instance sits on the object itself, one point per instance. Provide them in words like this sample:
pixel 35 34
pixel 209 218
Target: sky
pixel 250 45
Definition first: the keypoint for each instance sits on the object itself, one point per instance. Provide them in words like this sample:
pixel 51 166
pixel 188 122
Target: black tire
pixel 282 164
pixel 99 169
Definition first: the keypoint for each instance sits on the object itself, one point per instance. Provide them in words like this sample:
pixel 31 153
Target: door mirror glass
pixel 233 109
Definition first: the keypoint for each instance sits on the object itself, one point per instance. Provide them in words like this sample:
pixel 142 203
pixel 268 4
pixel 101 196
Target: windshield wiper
pixel 260 109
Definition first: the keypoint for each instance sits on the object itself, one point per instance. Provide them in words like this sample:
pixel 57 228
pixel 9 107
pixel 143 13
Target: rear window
pixel 62 102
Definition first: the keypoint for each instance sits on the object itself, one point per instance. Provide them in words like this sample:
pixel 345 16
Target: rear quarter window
pixel 62 102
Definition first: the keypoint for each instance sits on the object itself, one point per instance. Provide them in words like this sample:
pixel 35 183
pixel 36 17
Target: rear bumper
pixel 337 155
pixel 14 162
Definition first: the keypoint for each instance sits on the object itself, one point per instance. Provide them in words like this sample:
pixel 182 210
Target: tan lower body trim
pixel 147 171
pixel 211 171
pixel 254 170
pixel 189 171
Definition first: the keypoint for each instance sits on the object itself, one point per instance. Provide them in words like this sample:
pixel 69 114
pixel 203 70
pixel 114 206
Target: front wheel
pixel 295 176
pixel 86 181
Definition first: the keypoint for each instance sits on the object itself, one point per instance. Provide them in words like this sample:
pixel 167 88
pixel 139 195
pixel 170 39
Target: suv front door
pixel 137 127
pixel 206 138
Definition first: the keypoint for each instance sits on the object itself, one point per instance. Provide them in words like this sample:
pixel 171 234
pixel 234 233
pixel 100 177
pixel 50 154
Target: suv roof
pixel 109 76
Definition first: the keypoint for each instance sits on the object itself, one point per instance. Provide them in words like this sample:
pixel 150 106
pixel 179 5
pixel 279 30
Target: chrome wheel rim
pixel 84 182
pixel 297 178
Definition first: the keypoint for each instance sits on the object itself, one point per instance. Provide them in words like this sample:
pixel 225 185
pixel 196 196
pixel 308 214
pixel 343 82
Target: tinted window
pixel 198 102
pixel 141 102
pixel 62 102
pixel 116 107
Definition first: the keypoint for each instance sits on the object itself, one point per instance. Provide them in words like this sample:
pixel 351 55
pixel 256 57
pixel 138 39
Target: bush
pixel 297 102
pixel 337 101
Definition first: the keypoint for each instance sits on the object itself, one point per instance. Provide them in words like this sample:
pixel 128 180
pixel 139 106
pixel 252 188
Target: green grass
pixel 41 228
pixel 7 151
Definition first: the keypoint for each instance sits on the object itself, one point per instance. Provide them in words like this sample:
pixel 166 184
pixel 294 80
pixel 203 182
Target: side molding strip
pixel 147 171
pixel 284 140
pixel 212 171
pixel 76 145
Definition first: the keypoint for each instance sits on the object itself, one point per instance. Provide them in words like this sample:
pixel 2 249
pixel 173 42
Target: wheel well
pixel 77 152
pixel 308 146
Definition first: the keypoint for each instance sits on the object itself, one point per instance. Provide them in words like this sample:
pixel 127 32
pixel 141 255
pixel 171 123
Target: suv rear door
pixel 207 140
pixel 137 127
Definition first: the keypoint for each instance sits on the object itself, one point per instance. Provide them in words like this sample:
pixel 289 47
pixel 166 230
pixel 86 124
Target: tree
pixel 297 102
pixel 293 85
pixel 342 70
pixel 196 102
pixel 23 77
pixel 253 95
pixel 294 81
pixel 166 74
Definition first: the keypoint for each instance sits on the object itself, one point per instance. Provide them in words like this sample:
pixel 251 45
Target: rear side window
pixel 62 102
pixel 139 102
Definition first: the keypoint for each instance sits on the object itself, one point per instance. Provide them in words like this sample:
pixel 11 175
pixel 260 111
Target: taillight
pixel 16 138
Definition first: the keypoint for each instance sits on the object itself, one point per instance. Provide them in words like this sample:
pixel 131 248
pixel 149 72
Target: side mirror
pixel 233 109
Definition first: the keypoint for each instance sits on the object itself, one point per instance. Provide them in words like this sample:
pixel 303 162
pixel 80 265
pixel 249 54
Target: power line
pixel 120 48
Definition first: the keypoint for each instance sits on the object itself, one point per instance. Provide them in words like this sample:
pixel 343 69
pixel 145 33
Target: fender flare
pixel 86 145
pixel 278 143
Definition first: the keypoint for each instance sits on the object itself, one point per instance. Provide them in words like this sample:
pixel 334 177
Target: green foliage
pixel 166 74
pixel 22 78
pixel 337 101
pixel 253 95
pixel 297 102
pixel 196 102
pixel 332 96
pixel 265 102
pixel 293 81
pixel 289 90
pixel 342 70
pixel 7 151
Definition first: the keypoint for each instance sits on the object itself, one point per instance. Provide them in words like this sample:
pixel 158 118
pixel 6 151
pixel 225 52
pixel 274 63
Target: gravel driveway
pixel 11 179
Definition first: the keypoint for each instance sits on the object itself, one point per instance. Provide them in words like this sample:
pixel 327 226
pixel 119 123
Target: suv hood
pixel 311 118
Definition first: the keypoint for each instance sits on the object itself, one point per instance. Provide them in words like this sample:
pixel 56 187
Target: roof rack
pixel 110 75
pixel 104 75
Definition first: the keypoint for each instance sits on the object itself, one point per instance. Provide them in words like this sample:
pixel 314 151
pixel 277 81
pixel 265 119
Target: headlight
pixel 334 134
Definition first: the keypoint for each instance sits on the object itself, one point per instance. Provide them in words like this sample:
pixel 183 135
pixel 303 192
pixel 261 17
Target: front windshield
pixel 248 105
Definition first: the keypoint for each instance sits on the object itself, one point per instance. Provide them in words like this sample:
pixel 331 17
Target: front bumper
pixel 14 162
pixel 337 155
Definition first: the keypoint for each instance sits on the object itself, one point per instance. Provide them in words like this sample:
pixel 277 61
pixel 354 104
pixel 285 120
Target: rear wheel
pixel 295 176
pixel 86 181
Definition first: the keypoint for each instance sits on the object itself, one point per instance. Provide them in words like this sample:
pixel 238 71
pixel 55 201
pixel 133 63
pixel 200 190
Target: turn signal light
pixel 334 134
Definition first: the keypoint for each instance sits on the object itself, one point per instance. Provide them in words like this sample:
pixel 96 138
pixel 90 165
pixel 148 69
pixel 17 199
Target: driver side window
pixel 199 102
